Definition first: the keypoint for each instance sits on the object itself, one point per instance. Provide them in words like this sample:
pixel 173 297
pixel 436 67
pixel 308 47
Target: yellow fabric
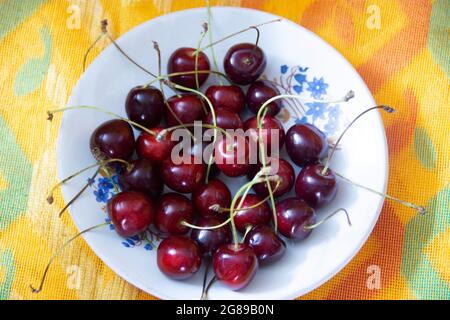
pixel 400 47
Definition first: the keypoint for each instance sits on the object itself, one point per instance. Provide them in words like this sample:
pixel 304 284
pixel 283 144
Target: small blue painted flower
pixel 300 78
pixel 317 87
pixel 316 110
pixel 101 195
pixel 301 120
pixel 105 184
pixel 283 69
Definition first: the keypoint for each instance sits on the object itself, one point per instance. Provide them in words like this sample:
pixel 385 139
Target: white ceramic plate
pixel 363 157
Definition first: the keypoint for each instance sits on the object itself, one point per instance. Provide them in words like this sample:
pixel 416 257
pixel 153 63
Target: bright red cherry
pixel 183 177
pixel 113 139
pixel 258 93
pixel 178 257
pixel 266 244
pixel 293 215
pixel 235 268
pixel 131 212
pixel 227 97
pixel 254 216
pixel 215 193
pixel 244 63
pixel 143 176
pixel 150 148
pixel 232 156
pixel 285 172
pixel 306 144
pixel 145 105
pixel 183 60
pixel 210 239
pixel 225 119
pixel 314 187
pixel 171 211
pixel 271 128
pixel 187 107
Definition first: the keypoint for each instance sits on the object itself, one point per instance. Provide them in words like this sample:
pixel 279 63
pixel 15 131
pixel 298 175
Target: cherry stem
pixel 239 32
pixel 164 132
pixel 216 65
pixel 211 282
pixel 90 49
pixel 174 74
pixel 60 249
pixel 202 36
pixel 50 114
pixel 257 38
pixel 97 164
pixel 205 277
pixel 382 107
pixel 247 230
pixel 421 210
pixel 315 225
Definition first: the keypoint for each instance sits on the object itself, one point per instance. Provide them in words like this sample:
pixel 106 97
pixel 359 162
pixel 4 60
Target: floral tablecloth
pixel 400 47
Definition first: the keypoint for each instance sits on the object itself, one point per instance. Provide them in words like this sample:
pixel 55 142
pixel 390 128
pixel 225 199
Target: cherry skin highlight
pixel 215 193
pixel 184 177
pixel 315 188
pixel 230 97
pixel 256 216
pixel 171 211
pixel 266 244
pixel 183 60
pixel 131 212
pixel 210 240
pixel 293 215
pixel 235 268
pixel 113 139
pixel 178 257
pixel 225 119
pixel 145 106
pixel 244 63
pixel 152 149
pixel 258 93
pixel 143 176
pixel 305 144
pixel 187 107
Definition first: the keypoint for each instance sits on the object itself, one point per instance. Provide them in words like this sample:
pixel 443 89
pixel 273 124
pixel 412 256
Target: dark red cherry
pixel 184 177
pixel 148 147
pixel 225 119
pixel 232 156
pixel 172 209
pixel 214 193
pixel 266 244
pixel 183 60
pixel 258 93
pixel 145 105
pixel 293 215
pixel 315 188
pixel 143 176
pixel 113 139
pixel 210 240
pixel 227 97
pixel 286 174
pixel 244 63
pixel 131 212
pixel 306 144
pixel 271 128
pixel 256 216
pixel 235 268
pixel 187 107
pixel 178 257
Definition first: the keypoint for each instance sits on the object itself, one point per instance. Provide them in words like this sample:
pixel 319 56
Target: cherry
pixel 293 215
pixel 266 244
pixel 235 267
pixel 315 187
pixel 131 212
pixel 150 148
pixel 225 119
pixel 113 139
pixel 253 216
pixel 232 157
pixel 258 93
pixel 178 257
pixel 270 126
pixel 244 63
pixel 187 107
pixel 173 208
pixel 142 176
pixel 215 193
pixel 306 144
pixel 184 177
pixel 285 172
pixel 145 105
pixel 183 60
pixel 227 97
pixel 210 239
